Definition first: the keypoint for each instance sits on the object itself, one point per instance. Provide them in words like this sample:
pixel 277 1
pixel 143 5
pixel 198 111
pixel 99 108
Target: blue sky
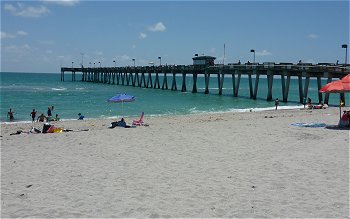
pixel 41 36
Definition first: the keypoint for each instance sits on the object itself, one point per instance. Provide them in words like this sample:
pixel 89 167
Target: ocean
pixel 23 92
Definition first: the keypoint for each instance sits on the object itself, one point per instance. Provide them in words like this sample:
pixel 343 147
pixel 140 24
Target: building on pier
pixel 203 60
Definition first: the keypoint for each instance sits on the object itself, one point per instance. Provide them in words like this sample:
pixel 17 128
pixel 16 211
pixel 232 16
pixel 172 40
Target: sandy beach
pixel 253 164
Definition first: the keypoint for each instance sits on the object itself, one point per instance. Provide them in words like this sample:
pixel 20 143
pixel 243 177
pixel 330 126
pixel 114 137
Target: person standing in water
pixel 33 114
pixel 49 112
pixel 10 114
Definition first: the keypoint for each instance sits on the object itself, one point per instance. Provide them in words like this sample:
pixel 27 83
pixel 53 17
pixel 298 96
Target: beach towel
pixel 310 125
pixel 78 130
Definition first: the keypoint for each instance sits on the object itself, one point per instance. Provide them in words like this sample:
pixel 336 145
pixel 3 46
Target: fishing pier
pixel 150 76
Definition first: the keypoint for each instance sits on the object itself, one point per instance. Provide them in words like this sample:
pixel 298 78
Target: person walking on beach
pixel 10 114
pixel 33 114
pixel 277 102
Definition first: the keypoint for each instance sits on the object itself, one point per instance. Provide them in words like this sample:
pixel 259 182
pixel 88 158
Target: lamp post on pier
pixel 72 64
pixel 115 65
pixel 94 64
pixel 134 62
pixel 100 64
pixel 345 46
pixel 82 59
pixel 253 51
pixel 160 61
pixel 90 64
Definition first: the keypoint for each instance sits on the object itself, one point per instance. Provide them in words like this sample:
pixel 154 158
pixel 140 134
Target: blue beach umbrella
pixel 121 98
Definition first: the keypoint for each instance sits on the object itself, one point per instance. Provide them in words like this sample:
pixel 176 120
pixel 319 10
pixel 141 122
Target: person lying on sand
pixel 120 123
pixel 33 130
pixel 320 106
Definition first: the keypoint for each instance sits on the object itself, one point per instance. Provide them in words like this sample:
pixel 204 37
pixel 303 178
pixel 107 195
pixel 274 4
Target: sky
pixel 42 36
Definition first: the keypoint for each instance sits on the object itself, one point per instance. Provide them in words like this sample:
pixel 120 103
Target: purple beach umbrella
pixel 121 98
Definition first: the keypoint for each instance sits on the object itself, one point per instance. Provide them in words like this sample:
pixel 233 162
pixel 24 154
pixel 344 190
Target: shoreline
pixel 162 115
pixel 253 164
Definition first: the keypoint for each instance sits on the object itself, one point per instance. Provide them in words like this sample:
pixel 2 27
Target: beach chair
pixel 140 121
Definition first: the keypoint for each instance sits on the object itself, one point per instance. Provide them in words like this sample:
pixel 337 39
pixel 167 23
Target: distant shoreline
pixel 6 72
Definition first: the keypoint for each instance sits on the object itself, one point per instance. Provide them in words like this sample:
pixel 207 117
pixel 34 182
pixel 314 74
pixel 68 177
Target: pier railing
pixel 149 76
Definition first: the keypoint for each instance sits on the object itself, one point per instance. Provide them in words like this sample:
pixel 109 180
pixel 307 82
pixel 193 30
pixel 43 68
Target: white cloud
pixel 143 35
pixel 63 2
pixel 26 11
pixel 4 35
pixel 18 50
pixel 22 33
pixel 158 27
pixel 9 7
pixel 312 36
pixel 263 53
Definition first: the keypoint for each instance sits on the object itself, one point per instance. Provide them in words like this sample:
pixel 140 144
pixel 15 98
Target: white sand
pixel 222 165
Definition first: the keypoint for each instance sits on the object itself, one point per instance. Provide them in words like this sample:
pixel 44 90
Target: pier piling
pixel 257 77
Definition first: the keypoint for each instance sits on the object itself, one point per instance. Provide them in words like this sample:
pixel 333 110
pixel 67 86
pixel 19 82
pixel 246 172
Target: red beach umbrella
pixel 339 86
pixel 346 79
pixel 334 87
pixel 346 82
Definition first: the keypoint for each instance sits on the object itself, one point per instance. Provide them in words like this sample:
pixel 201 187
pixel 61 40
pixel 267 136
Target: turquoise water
pixel 26 91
